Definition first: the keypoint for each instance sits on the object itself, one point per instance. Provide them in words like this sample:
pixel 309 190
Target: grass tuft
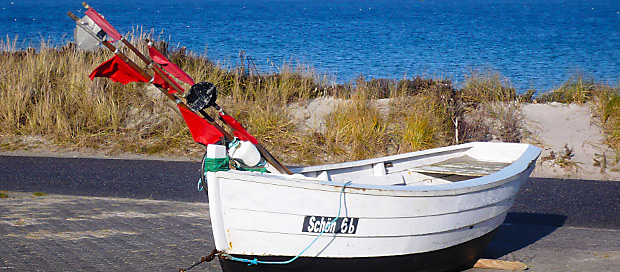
pixel 486 87
pixel 577 89
pixel 356 130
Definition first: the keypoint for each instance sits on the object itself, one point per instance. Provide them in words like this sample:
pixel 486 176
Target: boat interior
pixel 413 169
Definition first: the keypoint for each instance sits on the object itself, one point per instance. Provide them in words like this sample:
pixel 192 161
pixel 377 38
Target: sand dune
pixel 573 142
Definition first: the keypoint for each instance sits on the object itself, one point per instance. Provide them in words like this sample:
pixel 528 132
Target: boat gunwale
pixel 508 174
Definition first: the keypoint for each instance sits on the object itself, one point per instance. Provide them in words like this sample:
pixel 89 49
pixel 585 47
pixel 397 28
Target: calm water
pixel 536 44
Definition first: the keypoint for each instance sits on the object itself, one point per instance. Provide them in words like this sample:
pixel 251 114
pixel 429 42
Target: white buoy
pixel 245 152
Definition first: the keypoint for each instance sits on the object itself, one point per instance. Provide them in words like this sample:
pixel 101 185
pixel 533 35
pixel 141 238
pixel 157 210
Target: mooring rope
pixel 256 262
pixel 216 164
pixel 212 165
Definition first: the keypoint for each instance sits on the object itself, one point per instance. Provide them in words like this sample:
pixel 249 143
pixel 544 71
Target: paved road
pixel 143 179
pixel 107 214
pixel 551 202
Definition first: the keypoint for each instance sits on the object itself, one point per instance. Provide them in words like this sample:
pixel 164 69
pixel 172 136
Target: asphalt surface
pixel 143 179
pixel 109 214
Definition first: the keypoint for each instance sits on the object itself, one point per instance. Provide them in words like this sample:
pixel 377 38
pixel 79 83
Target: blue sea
pixel 535 44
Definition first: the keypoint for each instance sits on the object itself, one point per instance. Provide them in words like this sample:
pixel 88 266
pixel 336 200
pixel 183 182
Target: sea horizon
pixel 533 45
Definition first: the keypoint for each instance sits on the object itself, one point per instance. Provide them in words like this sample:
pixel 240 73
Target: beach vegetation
pixel 485 87
pixel 422 114
pixel 45 93
pixel 490 108
pixel 578 89
pixel 356 130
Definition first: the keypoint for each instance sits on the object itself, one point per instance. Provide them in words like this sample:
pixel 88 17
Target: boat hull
pixel 455 258
pixel 413 225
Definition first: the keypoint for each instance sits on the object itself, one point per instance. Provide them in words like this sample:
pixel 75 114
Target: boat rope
pixel 256 262
pixel 207 258
pixel 216 164
pixel 212 165
pixel 256 168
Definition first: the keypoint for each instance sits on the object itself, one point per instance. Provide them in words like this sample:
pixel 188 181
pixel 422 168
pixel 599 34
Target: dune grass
pixel 578 89
pixel 607 106
pixel 490 108
pixel 45 92
pixel 423 113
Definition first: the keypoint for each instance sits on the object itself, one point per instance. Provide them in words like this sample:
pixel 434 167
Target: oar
pixel 272 160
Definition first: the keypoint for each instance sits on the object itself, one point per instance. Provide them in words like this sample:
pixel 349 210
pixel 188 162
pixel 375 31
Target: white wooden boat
pixel 432 210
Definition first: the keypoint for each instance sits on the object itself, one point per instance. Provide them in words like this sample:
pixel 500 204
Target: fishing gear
pixel 201 95
pixel 204 95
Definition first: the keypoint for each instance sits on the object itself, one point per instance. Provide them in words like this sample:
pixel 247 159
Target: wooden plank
pixel 463 166
pixel 500 264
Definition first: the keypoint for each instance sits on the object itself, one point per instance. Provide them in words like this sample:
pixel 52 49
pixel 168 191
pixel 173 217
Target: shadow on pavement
pixel 521 230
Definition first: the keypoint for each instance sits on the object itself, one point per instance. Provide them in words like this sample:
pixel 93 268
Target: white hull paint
pixel 398 209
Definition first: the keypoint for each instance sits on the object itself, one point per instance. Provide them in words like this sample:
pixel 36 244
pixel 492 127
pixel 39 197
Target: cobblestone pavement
pixel 72 233
pixel 76 233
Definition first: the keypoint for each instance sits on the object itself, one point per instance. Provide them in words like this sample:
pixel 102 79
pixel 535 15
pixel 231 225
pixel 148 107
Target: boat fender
pixel 246 153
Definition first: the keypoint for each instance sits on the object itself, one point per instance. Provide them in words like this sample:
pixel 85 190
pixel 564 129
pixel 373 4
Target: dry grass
pixel 45 92
pixel 489 109
pixel 577 89
pixel 422 115
pixel 607 106
pixel 486 87
pixel 356 130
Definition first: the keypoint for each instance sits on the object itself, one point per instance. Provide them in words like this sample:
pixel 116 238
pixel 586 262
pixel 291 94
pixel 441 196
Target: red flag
pixel 170 67
pixel 239 131
pixel 103 24
pixel 118 71
pixel 160 81
pixel 201 130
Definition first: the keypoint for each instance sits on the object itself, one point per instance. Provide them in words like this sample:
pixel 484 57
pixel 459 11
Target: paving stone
pixel 74 233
